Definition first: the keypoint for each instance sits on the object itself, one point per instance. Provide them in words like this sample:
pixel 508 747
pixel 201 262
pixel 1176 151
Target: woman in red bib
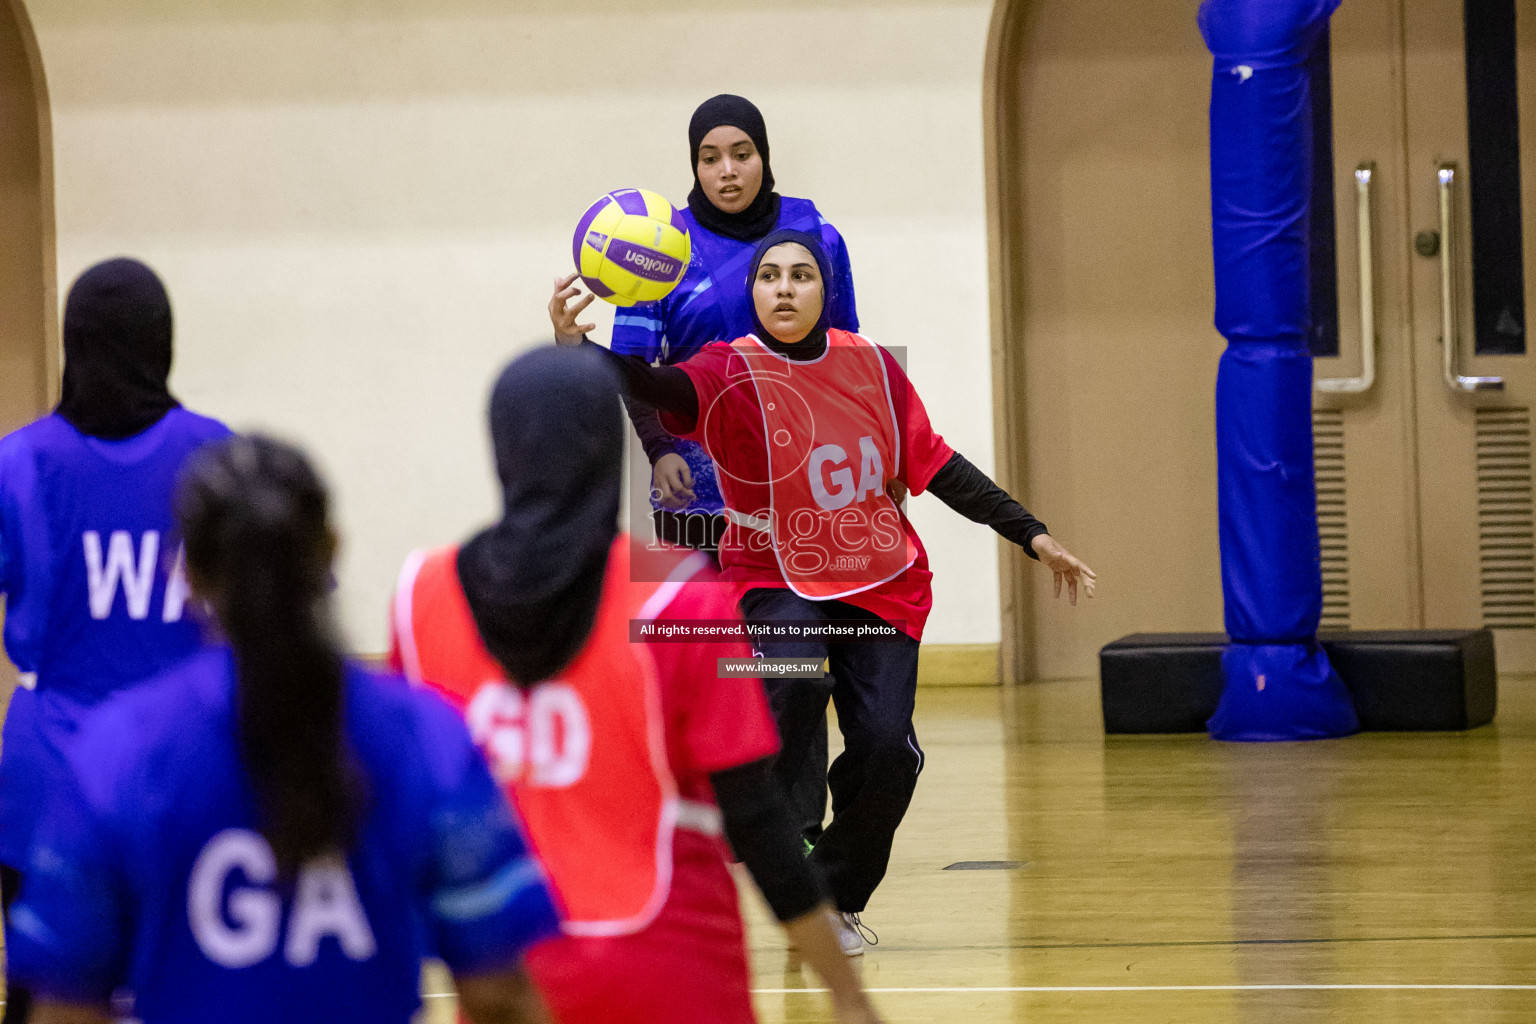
pixel 628 761
pixel 818 436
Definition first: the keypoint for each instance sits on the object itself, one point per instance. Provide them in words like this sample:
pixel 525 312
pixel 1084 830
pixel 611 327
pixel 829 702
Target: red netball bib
pixel 833 447
pixel 582 757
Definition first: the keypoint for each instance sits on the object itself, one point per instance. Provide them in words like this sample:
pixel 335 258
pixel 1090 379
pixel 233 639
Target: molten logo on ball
pixel 641 262
pixel 653 264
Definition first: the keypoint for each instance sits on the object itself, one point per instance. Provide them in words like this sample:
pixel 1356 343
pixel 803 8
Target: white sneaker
pixel 855 935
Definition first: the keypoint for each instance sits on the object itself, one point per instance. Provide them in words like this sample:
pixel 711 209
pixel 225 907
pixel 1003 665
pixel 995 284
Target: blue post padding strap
pixel 1278 683
pixel 1275 692
pixel 1263 33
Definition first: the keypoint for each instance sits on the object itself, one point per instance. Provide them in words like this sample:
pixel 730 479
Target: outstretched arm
pixel 973 494
pixel 647 423
pixel 666 388
pixel 662 387
pixel 760 830
pixel 758 825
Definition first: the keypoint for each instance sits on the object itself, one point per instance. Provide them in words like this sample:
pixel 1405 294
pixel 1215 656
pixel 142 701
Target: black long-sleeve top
pixel 758 826
pixel 958 484
pixel 654 437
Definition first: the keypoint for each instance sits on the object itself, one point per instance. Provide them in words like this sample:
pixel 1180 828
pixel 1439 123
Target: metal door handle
pixel 1363 383
pixel 1449 341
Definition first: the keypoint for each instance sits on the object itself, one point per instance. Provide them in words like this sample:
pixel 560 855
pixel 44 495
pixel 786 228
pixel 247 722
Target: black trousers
pixel 874 687
pixel 18 1001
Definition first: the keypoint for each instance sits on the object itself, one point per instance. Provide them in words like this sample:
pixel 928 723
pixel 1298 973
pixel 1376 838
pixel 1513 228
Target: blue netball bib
pixel 95 585
pixel 149 872
pixel 711 304
pixel 98 595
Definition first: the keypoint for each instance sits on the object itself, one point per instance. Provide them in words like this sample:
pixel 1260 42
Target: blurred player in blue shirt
pixel 90 560
pixel 267 833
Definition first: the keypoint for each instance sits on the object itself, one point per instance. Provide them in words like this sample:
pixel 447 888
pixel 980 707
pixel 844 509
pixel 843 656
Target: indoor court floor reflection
pixel 1171 878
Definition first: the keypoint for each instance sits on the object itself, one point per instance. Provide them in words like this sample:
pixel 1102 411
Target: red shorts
pixel 690 964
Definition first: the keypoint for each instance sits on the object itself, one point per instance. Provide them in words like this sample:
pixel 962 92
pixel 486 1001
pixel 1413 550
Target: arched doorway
pixel 28 337
pixel 29 346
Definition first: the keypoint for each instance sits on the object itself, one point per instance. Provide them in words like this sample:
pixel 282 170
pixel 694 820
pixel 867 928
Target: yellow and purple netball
pixel 631 246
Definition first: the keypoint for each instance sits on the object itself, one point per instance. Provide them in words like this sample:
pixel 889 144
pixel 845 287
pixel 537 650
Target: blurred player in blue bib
pixel 265 832
pixel 90 560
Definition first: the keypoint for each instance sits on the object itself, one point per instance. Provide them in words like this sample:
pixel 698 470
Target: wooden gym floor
pixel 1385 877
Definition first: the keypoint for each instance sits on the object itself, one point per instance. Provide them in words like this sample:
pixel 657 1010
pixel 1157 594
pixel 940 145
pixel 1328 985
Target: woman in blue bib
pixel 731 208
pixel 90 558
pixel 268 832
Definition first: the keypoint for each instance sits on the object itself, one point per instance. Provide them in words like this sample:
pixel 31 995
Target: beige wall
pixel 358 206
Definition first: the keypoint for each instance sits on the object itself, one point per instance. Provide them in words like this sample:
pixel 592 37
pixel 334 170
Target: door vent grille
pixel 1504 518
pixel 1328 442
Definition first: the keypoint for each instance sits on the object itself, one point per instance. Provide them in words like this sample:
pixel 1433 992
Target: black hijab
pixel 117 351
pixel 815 341
pixel 757 219
pixel 534 579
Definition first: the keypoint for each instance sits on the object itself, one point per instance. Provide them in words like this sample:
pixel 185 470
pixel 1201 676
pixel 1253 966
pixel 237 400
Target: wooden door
pixel 1425 476
pixel 1363 412
pixel 28 350
pixel 1474 441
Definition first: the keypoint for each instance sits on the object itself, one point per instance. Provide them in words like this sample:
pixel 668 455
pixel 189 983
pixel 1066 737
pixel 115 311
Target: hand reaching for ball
pixel 1065 566
pixel 563 316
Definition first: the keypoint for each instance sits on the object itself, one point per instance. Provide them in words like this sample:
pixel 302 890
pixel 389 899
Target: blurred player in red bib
pixel 628 761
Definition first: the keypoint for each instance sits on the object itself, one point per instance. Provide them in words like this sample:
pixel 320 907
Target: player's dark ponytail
pixel 254 515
